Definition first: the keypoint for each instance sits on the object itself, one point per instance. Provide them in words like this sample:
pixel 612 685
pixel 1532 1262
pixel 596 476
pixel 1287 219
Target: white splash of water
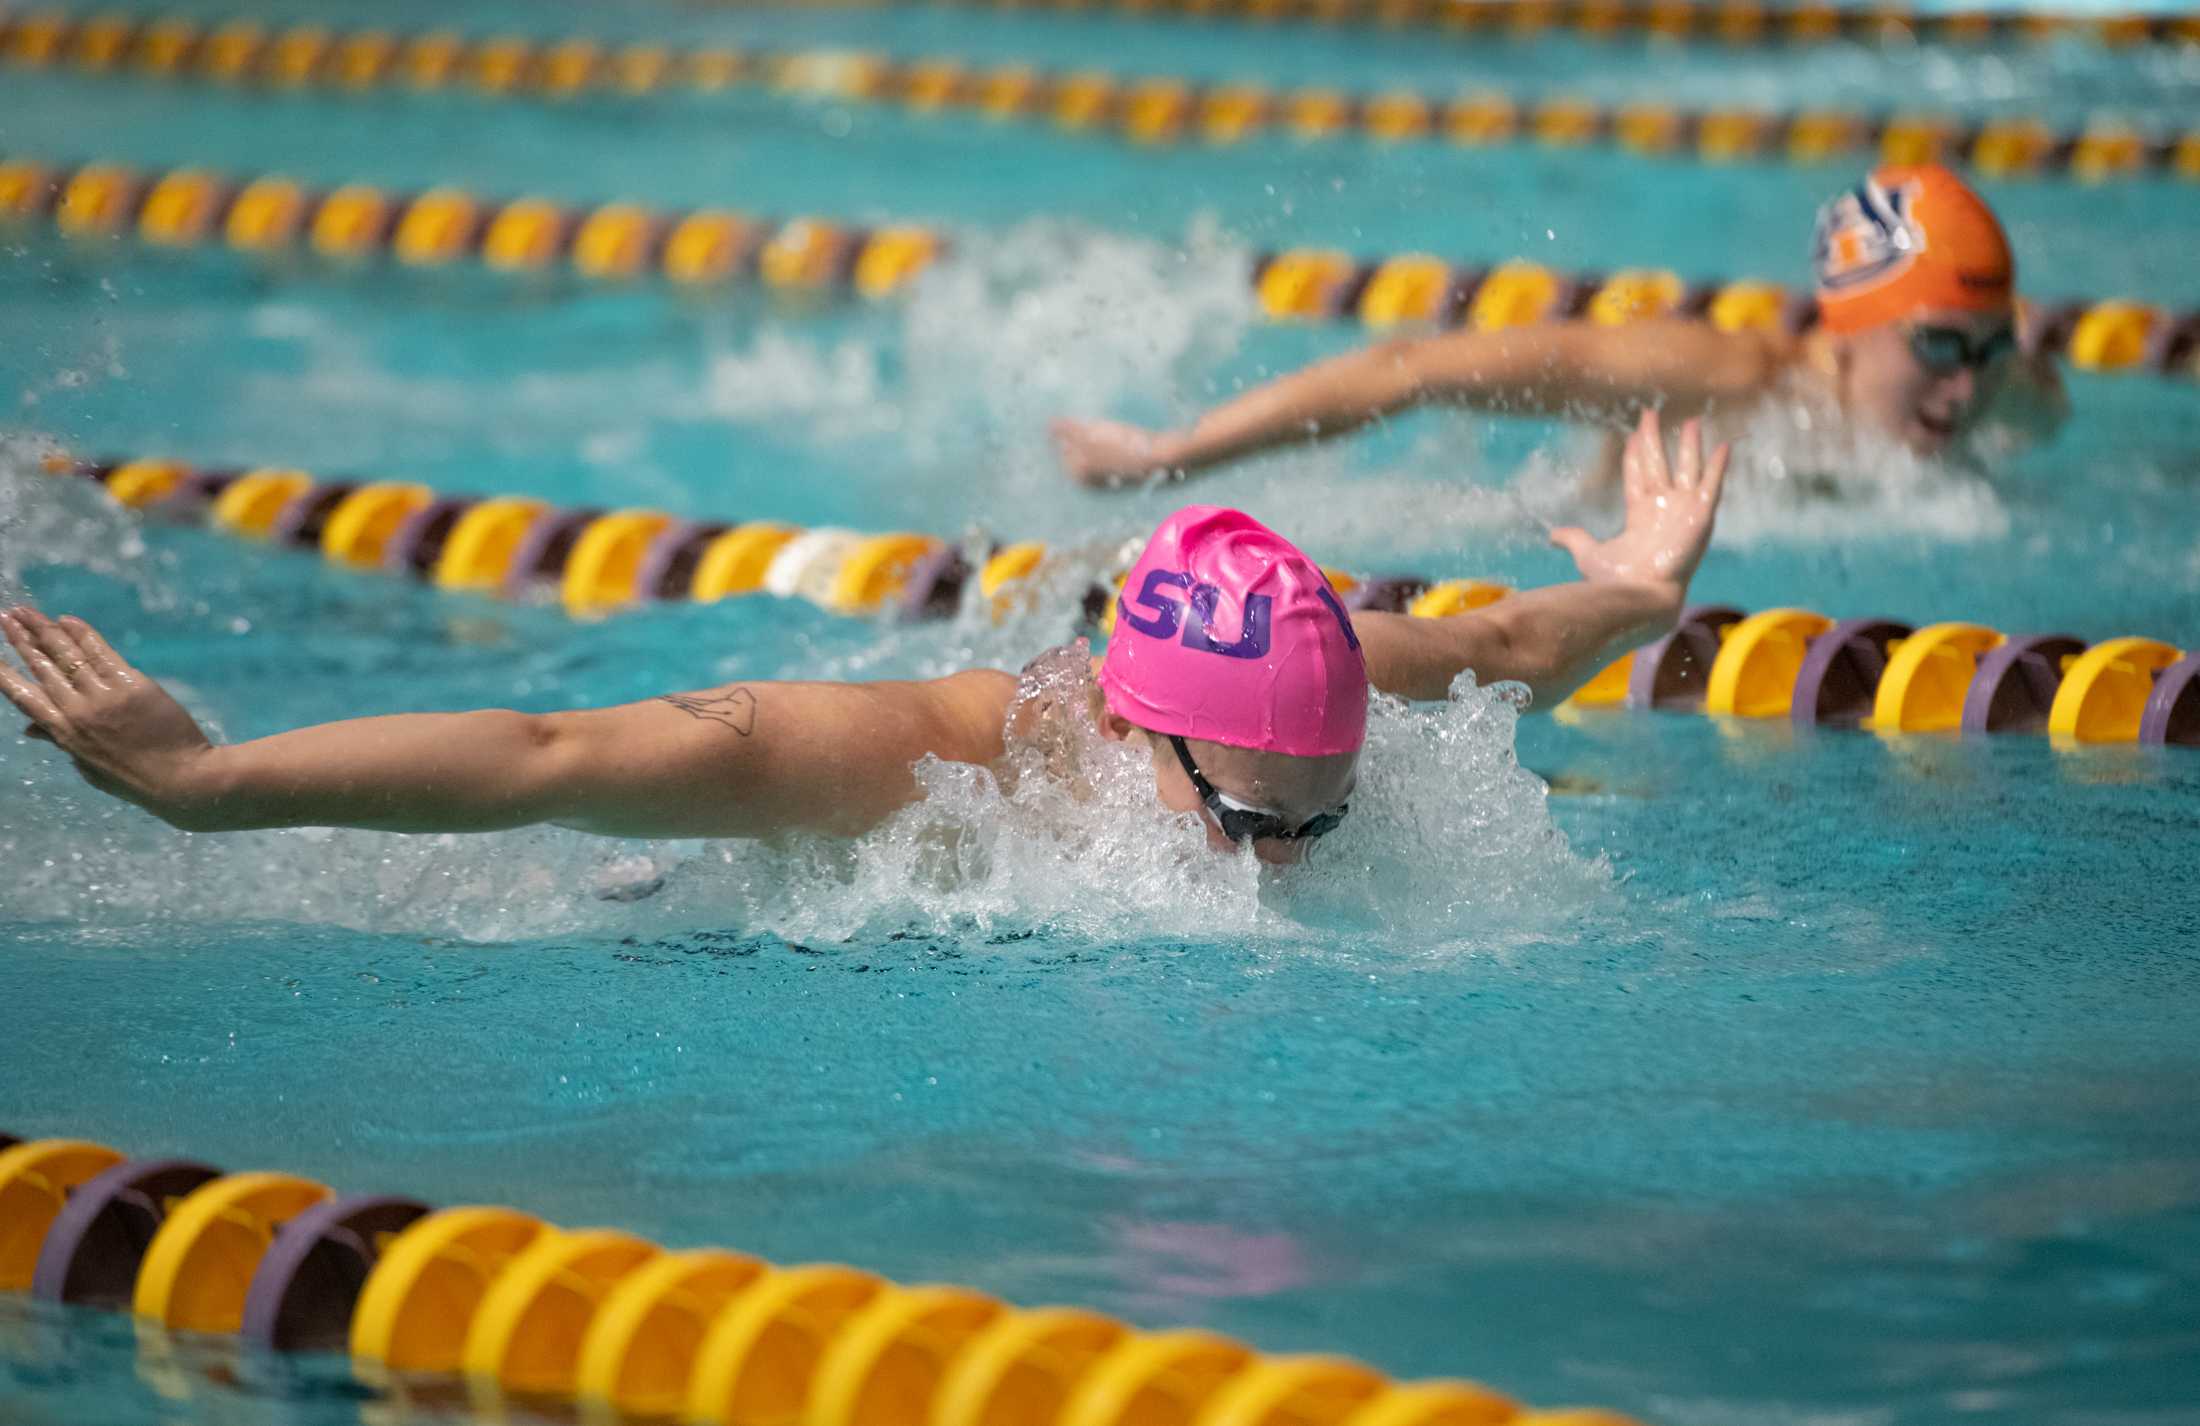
pixel 1450 845
pixel 1803 479
pixel 1053 319
pixel 1441 507
pixel 1450 848
pixel 1798 478
pixel 1401 519
pixel 838 391
pixel 1043 320
pixel 74 858
pixel 62 521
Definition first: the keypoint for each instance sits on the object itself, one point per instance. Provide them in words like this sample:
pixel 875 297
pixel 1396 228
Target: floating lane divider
pixel 595 561
pixel 1892 678
pixel 701 247
pixel 591 561
pixel 1418 288
pixel 1731 22
pixel 1160 109
pixel 242 48
pixel 1157 110
pixel 524 1312
pixel 1143 109
pixel 1782 663
pixel 356 222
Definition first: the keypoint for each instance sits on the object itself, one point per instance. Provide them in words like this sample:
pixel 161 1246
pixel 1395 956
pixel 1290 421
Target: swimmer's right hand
pixel 1107 455
pixel 127 735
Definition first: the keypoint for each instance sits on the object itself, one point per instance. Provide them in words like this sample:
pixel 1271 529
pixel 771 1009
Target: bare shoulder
pixel 1053 706
pixel 973 707
pixel 1725 363
pixel 1578 366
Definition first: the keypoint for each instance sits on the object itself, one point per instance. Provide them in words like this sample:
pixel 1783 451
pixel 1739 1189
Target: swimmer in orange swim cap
pixel 1916 303
pixel 1916 340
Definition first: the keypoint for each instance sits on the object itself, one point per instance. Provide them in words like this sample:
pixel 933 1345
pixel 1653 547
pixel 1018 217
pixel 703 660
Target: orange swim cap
pixel 1907 238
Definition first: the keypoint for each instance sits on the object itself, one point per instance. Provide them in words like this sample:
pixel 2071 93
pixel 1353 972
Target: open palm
pixel 1670 510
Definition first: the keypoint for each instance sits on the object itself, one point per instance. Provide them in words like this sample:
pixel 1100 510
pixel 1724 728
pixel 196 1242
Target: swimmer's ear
pixel 1840 355
pixel 1118 729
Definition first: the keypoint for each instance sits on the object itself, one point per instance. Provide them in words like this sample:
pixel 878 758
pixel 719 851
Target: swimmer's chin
pixel 1931 436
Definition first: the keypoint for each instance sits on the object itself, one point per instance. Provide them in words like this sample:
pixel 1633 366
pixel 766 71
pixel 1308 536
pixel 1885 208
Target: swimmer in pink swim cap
pixel 1225 635
pixel 1232 664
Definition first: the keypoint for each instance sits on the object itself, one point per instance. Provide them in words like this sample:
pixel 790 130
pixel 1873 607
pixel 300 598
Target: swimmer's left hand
pixel 1670 510
pixel 127 735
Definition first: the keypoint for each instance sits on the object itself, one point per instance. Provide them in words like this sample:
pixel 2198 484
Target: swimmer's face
pixel 1924 380
pixel 1298 788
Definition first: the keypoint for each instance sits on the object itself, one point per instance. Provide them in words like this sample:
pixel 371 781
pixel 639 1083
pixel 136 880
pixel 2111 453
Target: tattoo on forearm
pixel 735 707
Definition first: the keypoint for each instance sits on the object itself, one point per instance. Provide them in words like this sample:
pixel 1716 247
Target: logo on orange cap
pixel 1908 239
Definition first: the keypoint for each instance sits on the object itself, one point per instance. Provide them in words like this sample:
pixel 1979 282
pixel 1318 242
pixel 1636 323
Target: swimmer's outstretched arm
pixel 1576 369
pixel 744 760
pixel 1553 639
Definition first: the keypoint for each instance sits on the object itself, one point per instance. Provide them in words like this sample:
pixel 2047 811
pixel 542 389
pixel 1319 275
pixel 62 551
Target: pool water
pixel 1716 1074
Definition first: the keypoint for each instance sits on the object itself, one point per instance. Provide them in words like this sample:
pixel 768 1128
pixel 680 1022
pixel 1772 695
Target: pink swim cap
pixel 1225 632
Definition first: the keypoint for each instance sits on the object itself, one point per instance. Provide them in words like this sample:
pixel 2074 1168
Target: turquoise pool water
pixel 1747 1076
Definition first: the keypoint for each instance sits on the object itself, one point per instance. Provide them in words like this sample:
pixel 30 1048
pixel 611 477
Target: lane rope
pixel 1729 22
pixel 1876 674
pixel 1161 110
pixel 351 223
pixel 358 222
pixel 521 1310
pixel 1419 288
pixel 612 241
pixel 1147 110
pixel 594 562
pixel 1892 678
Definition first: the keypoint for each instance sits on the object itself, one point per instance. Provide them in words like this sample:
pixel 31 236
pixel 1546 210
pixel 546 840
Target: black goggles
pixel 1241 823
pixel 1941 350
